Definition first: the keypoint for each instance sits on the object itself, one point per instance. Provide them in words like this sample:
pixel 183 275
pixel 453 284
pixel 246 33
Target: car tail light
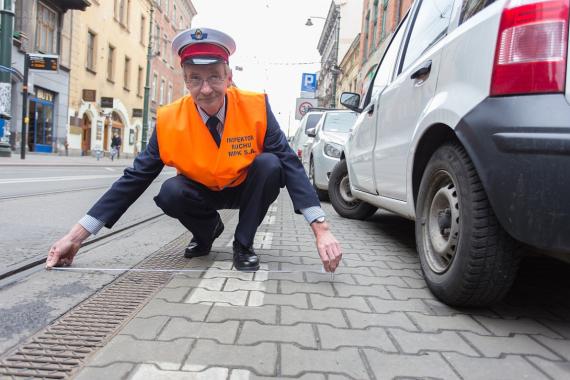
pixel 299 153
pixel 532 44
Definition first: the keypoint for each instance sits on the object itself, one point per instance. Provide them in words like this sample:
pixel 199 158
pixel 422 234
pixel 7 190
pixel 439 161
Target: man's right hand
pixel 64 250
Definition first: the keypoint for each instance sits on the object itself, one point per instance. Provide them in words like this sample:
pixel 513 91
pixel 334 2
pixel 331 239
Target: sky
pixel 273 45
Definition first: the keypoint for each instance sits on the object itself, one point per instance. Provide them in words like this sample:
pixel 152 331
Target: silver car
pixel 329 137
pixel 301 141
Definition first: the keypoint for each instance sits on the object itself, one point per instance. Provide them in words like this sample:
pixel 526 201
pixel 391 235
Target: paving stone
pixel 223 332
pixel 387 306
pixel 415 283
pixel 236 298
pixel 361 320
pixel 237 284
pixel 517 344
pixel 403 265
pixel 291 315
pixel 345 290
pixel 260 358
pixel 254 332
pixel 561 327
pixel 374 337
pixel 242 374
pixel 229 274
pixel 355 262
pixel 281 259
pixel 157 307
pixel 146 371
pixel 354 303
pixel 123 348
pixel 295 361
pixel 173 294
pixel 260 298
pixel 389 366
pixel 555 369
pixel 560 346
pixel 188 283
pixel 290 287
pixel 297 277
pixel 113 371
pixel 462 322
pixel 506 327
pixel 510 367
pixel 400 293
pixel 416 342
pixel 515 312
pixel 147 328
pixel 438 308
pixel 265 314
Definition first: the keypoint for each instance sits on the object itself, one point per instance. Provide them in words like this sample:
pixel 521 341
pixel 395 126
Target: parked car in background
pixel 466 130
pixel 321 156
pixel 300 141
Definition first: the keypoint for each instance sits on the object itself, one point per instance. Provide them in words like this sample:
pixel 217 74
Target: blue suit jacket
pixel 135 180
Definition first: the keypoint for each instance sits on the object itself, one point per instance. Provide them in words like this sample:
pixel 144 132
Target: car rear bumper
pixel 323 169
pixel 520 146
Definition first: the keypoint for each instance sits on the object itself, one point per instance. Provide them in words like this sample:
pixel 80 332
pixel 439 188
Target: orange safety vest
pixel 185 142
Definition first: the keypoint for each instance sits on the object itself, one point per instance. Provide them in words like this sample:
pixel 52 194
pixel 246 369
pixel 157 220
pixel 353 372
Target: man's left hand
pixel 327 245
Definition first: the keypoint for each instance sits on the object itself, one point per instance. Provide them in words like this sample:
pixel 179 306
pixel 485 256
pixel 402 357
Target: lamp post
pixel 335 69
pixel 147 84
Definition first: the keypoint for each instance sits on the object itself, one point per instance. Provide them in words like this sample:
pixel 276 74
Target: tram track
pixel 44 193
pixel 29 264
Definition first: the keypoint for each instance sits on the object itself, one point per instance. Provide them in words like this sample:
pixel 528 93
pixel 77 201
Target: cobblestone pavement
pixel 376 320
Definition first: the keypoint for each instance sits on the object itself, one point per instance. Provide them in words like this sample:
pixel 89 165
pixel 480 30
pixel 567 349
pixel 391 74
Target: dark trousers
pixel 196 206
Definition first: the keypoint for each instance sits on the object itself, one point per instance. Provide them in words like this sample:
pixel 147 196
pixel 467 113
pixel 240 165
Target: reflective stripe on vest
pixel 186 144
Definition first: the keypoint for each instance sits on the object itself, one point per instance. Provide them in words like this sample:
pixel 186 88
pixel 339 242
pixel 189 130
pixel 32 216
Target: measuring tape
pixel 192 270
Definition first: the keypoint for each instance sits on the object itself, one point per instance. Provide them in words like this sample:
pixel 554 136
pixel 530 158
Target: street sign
pixel 137 112
pixel 89 95
pixel 43 62
pixel 309 82
pixel 303 105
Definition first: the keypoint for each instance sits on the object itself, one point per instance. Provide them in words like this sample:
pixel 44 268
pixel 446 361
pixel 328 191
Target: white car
pixel 300 140
pixel 329 136
pixel 466 130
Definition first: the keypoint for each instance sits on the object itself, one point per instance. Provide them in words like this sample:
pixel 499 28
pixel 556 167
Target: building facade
pixel 108 64
pixel 166 81
pixel 340 28
pixel 350 68
pixel 379 21
pixel 42 27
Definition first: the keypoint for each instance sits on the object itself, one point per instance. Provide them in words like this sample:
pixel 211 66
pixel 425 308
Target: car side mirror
pixel 350 100
pixel 311 132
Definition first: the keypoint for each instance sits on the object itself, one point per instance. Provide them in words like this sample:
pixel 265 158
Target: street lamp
pixel 147 84
pixel 335 69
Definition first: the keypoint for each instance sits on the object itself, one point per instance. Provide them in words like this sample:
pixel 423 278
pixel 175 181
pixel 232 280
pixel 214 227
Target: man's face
pixel 207 85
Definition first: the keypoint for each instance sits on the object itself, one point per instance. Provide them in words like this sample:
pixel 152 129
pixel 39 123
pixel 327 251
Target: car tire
pixel 341 197
pixel 322 194
pixel 466 257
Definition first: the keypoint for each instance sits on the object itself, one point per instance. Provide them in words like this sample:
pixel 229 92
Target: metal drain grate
pixel 61 348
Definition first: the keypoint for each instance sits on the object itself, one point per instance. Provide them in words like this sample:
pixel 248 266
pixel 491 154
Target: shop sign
pixel 106 102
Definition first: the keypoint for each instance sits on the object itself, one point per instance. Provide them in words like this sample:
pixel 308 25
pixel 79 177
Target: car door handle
pixel 370 110
pixel 422 71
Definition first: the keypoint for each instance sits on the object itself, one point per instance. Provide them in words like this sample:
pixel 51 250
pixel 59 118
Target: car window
pixel 312 120
pixel 430 25
pixel 339 121
pixel 384 74
pixel 471 7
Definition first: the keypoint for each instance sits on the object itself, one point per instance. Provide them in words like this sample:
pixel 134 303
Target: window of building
pixel 366 33
pixel 156 40
pixel 169 97
pixel 127 74
pixel 91 46
pixel 174 12
pixel 65 49
pixel 143 23
pixel 374 24
pixel 154 86
pixel 46 31
pixel 139 81
pixel 384 14
pixel 162 85
pixel 164 47
pixel 122 13
pixel 167 8
pixel 111 63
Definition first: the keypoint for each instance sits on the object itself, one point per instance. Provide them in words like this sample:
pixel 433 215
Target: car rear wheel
pixel 322 194
pixel 344 203
pixel 466 256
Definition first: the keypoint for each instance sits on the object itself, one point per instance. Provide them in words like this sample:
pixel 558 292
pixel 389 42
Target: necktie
pixel 212 125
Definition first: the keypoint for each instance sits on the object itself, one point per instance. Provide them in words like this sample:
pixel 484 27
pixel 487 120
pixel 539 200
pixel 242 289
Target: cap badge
pixel 198 35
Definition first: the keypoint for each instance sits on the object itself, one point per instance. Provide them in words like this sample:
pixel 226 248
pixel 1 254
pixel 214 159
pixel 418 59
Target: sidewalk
pixel 376 319
pixel 36 159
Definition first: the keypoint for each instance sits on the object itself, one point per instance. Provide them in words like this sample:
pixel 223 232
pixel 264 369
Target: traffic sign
pixel 309 82
pixel 43 62
pixel 303 105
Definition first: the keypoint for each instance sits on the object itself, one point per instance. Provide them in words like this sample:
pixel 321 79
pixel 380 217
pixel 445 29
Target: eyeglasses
pixel 213 81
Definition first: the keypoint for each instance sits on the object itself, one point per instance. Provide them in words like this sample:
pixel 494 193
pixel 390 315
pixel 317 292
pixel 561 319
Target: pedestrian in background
pixel 116 143
pixel 229 152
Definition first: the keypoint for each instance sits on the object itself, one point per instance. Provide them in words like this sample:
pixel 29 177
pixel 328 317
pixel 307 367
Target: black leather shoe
pixel 197 249
pixel 245 258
